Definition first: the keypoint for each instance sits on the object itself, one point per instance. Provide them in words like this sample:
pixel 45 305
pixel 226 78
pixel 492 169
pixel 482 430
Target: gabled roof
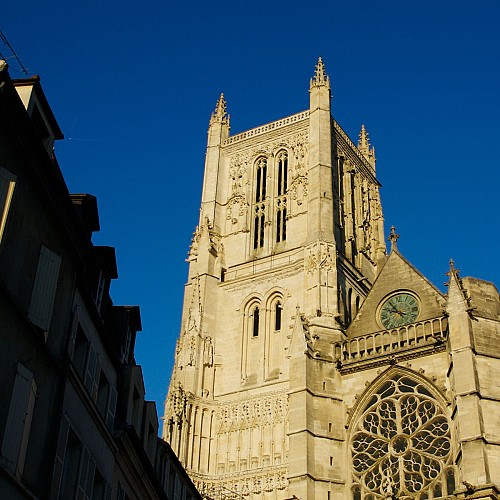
pixel 396 275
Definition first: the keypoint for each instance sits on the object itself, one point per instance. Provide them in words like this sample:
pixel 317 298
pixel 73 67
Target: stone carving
pixel 311 260
pixel 297 188
pixel 327 261
pixel 191 352
pixel 193 248
pixel 238 168
pixel 176 410
pixel 401 445
pixel 237 485
pixel 237 205
pixel 267 410
pixel 208 352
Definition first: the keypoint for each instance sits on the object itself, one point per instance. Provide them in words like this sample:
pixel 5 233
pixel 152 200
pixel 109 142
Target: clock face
pixel 399 310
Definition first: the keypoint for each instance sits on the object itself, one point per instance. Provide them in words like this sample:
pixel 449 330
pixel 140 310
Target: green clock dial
pixel 399 310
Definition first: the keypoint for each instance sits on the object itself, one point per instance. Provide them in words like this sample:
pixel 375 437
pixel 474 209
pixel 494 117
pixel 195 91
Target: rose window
pixel 401 445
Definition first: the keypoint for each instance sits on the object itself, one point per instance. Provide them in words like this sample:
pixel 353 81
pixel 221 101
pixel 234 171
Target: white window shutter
pixel 44 288
pixel 111 410
pixel 19 418
pixel 59 461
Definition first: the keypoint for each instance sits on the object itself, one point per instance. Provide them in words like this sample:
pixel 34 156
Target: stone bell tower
pixel 289 242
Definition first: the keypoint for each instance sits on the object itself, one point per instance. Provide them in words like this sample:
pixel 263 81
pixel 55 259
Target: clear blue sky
pixel 133 86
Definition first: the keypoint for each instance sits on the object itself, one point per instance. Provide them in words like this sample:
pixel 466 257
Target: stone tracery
pixel 401 444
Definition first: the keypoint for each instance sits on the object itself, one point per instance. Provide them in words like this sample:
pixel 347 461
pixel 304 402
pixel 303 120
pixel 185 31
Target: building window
pixel 255 325
pixel 44 288
pixel 260 199
pixel 282 159
pixel 7 184
pixel 18 426
pixel 401 444
pixel 278 308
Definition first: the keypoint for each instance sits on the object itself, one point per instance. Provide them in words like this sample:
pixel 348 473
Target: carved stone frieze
pixel 242 485
pixel 266 410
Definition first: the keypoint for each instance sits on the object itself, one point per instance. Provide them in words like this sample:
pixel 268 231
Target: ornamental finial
pixel 320 77
pixel 364 146
pixel 393 238
pixel 220 114
pixel 363 142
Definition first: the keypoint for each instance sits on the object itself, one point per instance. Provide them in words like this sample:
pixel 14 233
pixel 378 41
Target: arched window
pixel 282 172
pixel 282 180
pixel 255 325
pixel 401 444
pixel 278 308
pixel 260 198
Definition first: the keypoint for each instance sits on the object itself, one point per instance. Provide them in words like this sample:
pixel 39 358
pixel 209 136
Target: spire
pixel 320 77
pixel 364 146
pixel 220 114
pixel 457 293
pixel 393 238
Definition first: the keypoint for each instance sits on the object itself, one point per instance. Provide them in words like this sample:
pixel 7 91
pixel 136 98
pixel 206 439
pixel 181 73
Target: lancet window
pixel 278 308
pixel 401 445
pixel 255 322
pixel 260 198
pixel 282 180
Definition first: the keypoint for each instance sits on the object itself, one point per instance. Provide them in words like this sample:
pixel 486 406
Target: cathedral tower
pixel 289 333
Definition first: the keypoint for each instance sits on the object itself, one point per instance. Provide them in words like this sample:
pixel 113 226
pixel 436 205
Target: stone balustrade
pixel 396 340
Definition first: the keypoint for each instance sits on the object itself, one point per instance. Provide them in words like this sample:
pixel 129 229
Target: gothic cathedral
pixel 312 363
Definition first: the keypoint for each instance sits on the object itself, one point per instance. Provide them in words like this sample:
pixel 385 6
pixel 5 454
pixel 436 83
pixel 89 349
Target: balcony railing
pixel 386 342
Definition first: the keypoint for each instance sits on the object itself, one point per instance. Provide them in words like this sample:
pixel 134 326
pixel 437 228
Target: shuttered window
pixel 17 429
pixel 110 414
pixel 7 184
pixel 44 288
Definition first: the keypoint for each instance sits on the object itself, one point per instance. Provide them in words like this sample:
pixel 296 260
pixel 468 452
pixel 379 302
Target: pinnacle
pixel 364 142
pixel 320 77
pixel 365 148
pixel 220 114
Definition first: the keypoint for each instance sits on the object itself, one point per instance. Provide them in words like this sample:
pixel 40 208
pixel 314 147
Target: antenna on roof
pixel 11 54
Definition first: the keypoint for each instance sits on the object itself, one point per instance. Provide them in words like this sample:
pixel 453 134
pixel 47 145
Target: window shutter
pixel 7 183
pixel 19 418
pixel 23 448
pixel 90 368
pixel 44 288
pixel 110 413
pixel 59 462
pixel 95 381
pixel 73 331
